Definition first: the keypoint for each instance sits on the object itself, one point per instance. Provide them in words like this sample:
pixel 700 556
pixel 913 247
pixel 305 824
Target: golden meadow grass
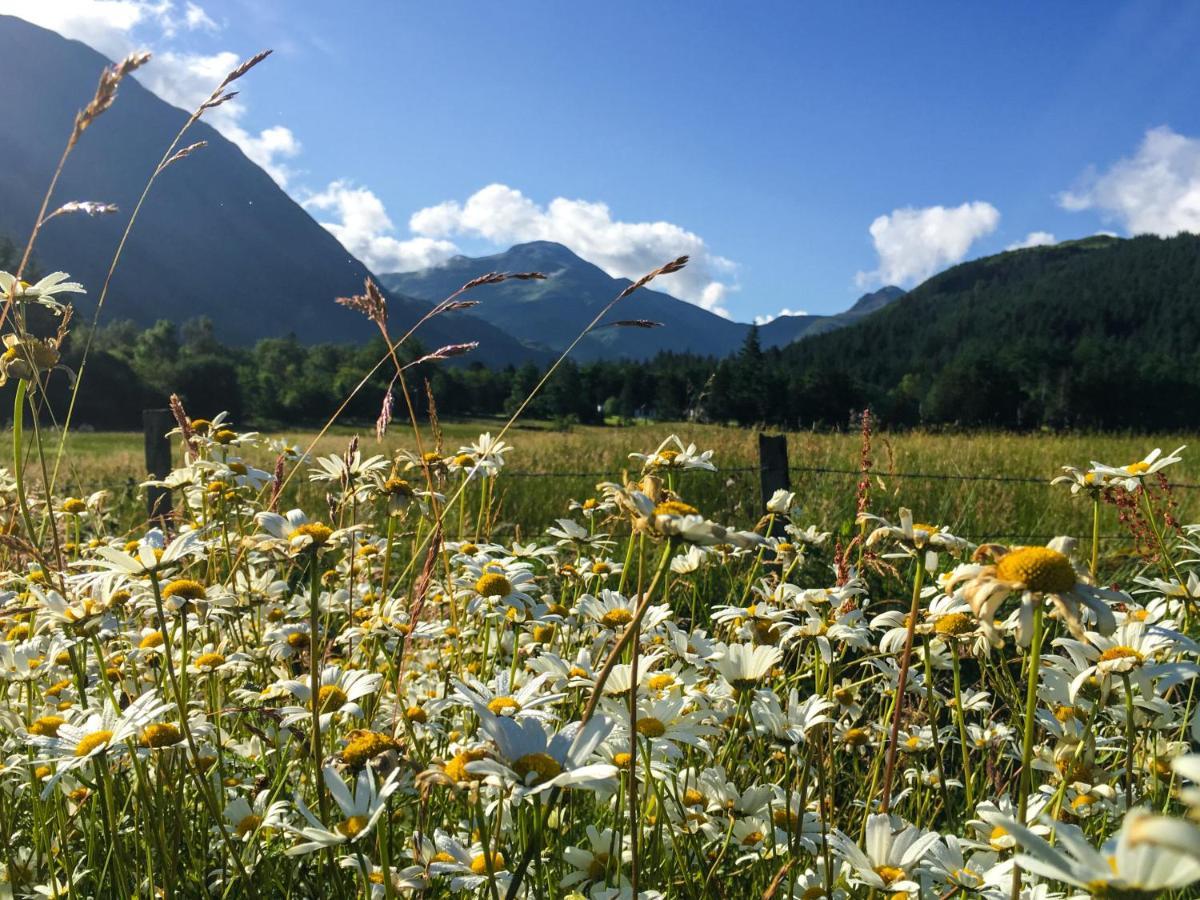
pixel 444 665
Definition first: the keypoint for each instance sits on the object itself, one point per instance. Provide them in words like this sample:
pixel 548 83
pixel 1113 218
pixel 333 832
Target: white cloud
pixel 763 320
pixel 503 215
pixel 118 27
pixel 1034 239
pixel 1155 191
pixel 363 226
pixel 915 243
pixel 195 17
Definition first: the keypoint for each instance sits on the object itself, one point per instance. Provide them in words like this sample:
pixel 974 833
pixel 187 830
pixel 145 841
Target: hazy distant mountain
pixel 217 236
pixel 785 329
pixel 551 313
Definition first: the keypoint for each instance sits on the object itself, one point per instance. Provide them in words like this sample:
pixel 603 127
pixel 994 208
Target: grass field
pixel 564 460
pixel 386 694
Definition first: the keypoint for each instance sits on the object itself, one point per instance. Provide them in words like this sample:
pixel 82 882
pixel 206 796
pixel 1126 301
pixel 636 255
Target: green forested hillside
pixel 1099 332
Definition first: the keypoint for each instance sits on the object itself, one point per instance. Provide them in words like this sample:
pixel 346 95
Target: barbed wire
pixel 952 476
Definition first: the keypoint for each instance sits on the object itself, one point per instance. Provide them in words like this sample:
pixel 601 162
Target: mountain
pixel 783 330
pixel 1103 332
pixel 549 314
pixel 217 236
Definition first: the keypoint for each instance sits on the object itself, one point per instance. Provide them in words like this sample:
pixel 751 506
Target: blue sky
pixel 801 152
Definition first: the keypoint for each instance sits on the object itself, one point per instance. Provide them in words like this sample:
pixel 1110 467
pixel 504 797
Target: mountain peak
pixel 217 212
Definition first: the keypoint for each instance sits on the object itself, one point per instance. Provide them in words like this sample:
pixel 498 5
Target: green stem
pixel 1031 686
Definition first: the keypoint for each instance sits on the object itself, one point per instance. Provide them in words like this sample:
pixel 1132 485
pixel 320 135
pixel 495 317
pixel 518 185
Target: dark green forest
pixel 1099 333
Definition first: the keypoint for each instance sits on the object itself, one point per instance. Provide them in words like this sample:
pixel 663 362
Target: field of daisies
pixel 377 699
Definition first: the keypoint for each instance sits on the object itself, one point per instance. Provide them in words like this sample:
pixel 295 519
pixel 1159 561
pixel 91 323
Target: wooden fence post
pixel 772 464
pixel 155 425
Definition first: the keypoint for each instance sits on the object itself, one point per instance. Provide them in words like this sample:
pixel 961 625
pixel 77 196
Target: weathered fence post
pixel 155 425
pixel 772 464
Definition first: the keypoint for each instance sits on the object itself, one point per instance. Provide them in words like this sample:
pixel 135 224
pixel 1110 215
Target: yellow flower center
pixel 675 508
pixel 18 632
pixel 185 588
pixel 856 737
pixel 997 837
pixel 493 584
pixel 954 624
pixel 1039 569
pixel 1083 801
pixel 504 706
pixel 543 634
pixel 209 661
pixel 483 862
pixel 352 827
pixel 752 838
pixel 93 741
pixel 316 532
pixel 163 734
pixel 73 505
pixel 542 766
pixel 621 760
pixel 416 714
pixel 456 769
pixel 364 746
pixel 46 726
pixel 1121 652
pixel 331 697
pixel 1138 468
pixel 248 825
pixel 224 436
pixel 650 727
pixel 692 797
pixel 660 682
pixel 889 874
pixel 598 866
pixel 616 617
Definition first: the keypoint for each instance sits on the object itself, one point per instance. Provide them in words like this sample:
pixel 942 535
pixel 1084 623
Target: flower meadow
pixel 377 699
pixel 391 692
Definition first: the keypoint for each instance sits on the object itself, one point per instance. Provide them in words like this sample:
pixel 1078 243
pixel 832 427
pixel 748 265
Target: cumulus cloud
pixel 763 320
pixel 503 215
pixel 1155 191
pixel 118 27
pixel 915 243
pixel 1034 239
pixel 360 221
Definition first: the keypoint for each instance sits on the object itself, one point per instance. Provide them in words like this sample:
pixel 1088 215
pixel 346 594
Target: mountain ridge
pixel 272 269
pixel 553 312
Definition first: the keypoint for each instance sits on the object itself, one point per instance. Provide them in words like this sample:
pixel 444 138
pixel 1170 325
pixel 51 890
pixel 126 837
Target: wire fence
pixel 133 485
pixel 856 473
